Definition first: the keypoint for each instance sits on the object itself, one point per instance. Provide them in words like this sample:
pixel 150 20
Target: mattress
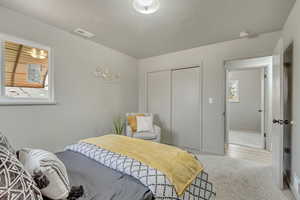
pixel 100 182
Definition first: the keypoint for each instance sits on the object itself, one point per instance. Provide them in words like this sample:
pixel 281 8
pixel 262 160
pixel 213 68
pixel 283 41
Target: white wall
pixel 291 32
pixel 244 114
pixel 85 105
pixel 212 58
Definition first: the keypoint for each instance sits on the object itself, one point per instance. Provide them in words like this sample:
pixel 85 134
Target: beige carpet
pixel 237 179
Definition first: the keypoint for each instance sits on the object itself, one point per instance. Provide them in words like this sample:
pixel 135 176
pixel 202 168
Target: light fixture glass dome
pixel 146 6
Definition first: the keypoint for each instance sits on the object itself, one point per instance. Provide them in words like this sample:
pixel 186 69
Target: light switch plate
pixel 210 100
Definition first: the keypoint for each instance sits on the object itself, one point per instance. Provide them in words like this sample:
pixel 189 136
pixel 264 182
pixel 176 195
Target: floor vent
pixel 84 33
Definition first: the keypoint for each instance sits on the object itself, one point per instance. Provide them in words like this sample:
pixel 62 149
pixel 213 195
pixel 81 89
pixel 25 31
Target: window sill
pixel 26 103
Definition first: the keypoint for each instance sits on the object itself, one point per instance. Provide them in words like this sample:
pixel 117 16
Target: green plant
pixel 119 125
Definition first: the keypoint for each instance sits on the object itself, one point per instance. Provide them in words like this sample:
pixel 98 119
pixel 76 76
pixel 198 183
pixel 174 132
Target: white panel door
pixel 159 101
pixel 186 107
pixel 277 105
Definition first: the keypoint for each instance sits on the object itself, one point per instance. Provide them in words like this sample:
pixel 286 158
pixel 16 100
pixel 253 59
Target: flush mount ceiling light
pixel 146 6
pixel 244 34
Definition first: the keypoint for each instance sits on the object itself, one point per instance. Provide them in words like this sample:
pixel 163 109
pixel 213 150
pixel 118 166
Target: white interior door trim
pixel 262 108
pixel 248 63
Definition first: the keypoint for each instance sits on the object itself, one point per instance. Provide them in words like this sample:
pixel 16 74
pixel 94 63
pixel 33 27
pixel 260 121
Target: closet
pixel 175 97
pixel 159 101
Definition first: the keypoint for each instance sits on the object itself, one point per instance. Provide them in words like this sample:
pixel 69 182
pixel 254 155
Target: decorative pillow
pixel 56 185
pixel 145 124
pixel 132 121
pixel 15 181
pixel 4 142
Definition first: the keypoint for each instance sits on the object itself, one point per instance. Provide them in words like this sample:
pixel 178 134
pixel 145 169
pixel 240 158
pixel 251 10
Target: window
pixel 26 73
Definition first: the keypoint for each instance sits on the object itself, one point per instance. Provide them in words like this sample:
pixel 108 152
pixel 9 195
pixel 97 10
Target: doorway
pixel 246 107
pixel 248 97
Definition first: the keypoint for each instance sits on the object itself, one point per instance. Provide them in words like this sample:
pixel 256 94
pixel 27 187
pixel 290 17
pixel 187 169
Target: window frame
pixel 5 100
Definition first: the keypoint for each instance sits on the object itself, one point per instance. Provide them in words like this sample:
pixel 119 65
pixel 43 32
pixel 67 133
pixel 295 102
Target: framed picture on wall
pixel 234 93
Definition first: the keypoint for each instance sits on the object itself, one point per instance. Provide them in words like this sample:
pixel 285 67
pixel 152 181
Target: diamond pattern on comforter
pixel 156 181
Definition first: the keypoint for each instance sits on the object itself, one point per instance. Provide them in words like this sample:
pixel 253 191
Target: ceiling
pixel 178 25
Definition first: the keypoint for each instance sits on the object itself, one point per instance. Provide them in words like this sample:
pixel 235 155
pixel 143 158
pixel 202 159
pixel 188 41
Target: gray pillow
pixel 4 142
pixel 15 181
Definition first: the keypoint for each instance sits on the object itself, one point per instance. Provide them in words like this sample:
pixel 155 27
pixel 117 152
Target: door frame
pixel 281 160
pixel 244 64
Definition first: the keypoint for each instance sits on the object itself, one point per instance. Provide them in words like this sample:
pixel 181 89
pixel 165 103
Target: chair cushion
pixel 131 119
pixel 145 135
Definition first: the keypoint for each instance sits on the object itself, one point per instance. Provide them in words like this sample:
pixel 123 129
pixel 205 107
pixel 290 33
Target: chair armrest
pixel 129 131
pixel 157 131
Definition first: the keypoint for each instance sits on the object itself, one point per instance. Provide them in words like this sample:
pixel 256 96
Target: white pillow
pixel 144 124
pixel 51 167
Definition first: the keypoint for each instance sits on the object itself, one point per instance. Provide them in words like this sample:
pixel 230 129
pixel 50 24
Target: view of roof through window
pixel 26 71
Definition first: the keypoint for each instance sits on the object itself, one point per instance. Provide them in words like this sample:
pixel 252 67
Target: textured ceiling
pixel 178 25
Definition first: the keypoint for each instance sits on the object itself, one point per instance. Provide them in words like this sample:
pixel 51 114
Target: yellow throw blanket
pixel 179 166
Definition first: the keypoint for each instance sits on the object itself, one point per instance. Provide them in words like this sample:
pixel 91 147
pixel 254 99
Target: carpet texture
pixel 236 179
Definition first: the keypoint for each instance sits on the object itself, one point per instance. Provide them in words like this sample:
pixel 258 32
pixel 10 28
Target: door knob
pixel 260 110
pixel 281 122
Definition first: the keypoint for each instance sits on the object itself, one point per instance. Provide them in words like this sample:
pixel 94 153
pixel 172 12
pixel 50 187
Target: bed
pixel 100 182
pixel 107 175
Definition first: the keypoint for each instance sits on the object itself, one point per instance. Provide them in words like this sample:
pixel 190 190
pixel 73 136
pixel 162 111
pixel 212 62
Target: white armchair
pixel 154 136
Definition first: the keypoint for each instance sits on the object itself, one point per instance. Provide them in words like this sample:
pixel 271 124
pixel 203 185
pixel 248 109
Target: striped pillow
pixel 35 160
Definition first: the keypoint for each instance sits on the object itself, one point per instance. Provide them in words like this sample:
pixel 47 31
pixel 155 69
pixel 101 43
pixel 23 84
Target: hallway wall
pixel 244 114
